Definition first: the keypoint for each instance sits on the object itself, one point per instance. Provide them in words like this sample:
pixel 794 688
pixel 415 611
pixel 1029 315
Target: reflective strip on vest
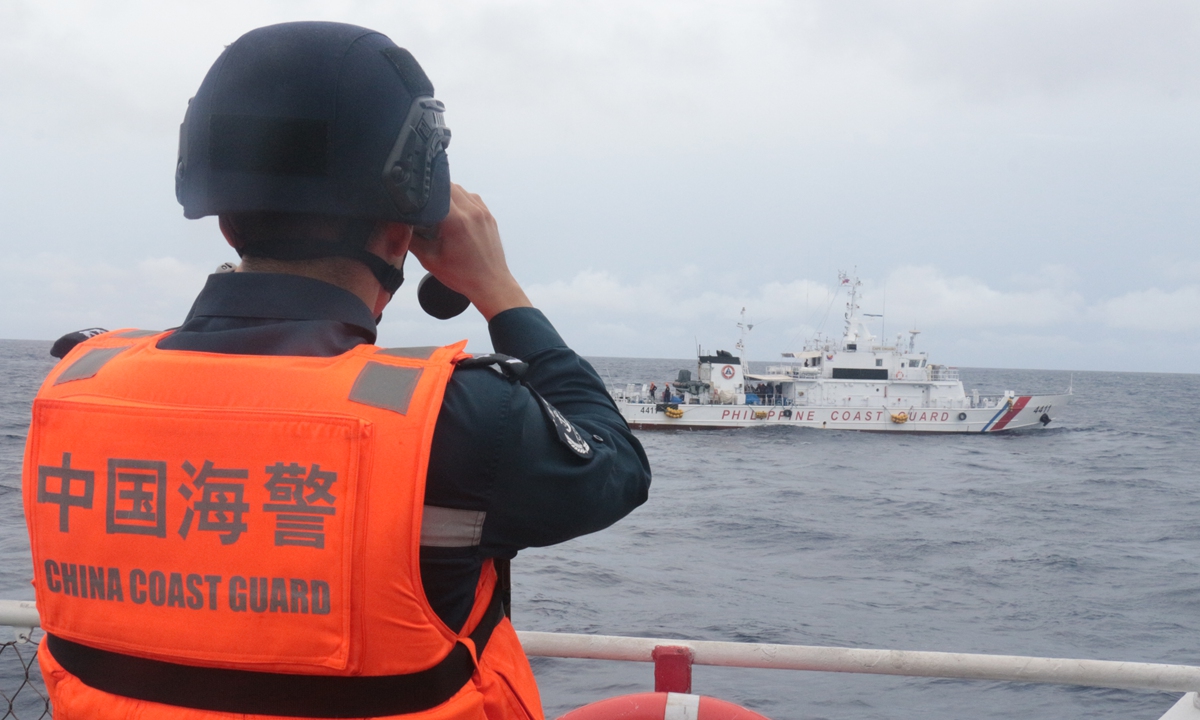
pixel 384 386
pixel 88 365
pixel 418 353
pixel 451 527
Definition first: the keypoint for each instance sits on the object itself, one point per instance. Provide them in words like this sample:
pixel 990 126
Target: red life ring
pixel 727 372
pixel 654 706
pixel 899 374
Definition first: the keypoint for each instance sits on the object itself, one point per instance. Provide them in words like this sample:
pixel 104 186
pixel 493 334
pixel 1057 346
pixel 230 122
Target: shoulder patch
pixel 568 434
pixel 67 343
pixel 514 370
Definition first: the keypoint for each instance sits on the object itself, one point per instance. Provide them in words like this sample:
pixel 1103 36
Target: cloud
pixel 662 316
pixel 1010 49
pixel 920 291
pixel 675 294
pixel 925 296
pixel 47 295
pixel 1153 310
pixel 965 320
pixel 619 73
pixel 696 155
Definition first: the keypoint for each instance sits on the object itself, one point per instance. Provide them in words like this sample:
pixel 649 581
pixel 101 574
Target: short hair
pixel 270 234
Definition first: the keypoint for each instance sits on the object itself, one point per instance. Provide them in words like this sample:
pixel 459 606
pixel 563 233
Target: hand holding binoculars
pixel 435 298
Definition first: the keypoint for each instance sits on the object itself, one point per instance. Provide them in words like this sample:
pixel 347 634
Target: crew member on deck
pixel 261 513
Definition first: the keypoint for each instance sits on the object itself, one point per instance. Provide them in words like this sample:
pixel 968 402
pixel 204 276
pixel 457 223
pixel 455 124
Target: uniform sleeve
pixel 495 449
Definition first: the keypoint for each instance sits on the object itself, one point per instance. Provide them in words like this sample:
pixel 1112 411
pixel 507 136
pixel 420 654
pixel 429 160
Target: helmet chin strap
pixel 392 293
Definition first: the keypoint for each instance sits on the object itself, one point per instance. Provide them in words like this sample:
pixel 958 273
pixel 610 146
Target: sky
pixel 1016 179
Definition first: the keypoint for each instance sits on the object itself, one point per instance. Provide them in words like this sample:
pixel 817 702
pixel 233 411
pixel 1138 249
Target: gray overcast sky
pixel 1016 179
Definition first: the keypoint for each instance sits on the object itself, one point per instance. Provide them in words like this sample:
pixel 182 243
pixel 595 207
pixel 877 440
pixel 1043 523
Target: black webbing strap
pixel 263 693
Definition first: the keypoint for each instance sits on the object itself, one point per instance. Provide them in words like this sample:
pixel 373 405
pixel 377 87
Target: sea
pixel 1080 540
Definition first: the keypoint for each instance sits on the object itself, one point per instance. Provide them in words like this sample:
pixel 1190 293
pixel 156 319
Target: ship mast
pixel 743 328
pixel 854 326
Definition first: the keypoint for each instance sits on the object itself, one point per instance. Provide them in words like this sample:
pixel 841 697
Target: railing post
pixel 672 668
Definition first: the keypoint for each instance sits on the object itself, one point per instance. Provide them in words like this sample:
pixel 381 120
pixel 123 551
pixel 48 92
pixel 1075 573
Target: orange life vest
pixel 249 518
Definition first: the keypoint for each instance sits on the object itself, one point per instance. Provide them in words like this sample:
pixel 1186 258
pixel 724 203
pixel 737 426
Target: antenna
pixel 853 322
pixel 883 317
pixel 743 328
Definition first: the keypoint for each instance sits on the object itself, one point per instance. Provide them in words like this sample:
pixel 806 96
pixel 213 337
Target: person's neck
pixel 346 274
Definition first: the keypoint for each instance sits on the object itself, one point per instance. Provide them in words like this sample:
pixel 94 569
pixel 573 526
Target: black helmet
pixel 315 118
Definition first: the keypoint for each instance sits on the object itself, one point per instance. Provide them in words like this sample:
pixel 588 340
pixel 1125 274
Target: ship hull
pixel 1024 411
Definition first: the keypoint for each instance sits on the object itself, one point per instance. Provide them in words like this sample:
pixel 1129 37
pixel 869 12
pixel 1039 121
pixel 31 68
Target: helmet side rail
pixel 22 616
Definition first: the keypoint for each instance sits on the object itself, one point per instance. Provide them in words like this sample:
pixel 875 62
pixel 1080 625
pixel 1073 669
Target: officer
pixel 260 512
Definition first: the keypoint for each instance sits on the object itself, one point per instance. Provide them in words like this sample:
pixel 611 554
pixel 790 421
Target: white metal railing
pixel 942 373
pixel 967 666
pixel 22 616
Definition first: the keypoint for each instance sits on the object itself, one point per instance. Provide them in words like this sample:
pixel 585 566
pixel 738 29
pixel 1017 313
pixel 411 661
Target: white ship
pixel 854 383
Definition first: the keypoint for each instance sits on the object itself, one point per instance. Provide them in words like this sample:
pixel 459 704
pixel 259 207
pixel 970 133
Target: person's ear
pixel 391 241
pixel 230 232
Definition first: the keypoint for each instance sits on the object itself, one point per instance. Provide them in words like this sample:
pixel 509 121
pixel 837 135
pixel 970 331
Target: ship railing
pixel 942 373
pixel 991 401
pixel 673 660
pixel 796 371
pixel 627 391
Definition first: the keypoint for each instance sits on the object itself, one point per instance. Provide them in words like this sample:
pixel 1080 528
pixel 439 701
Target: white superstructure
pixel 854 383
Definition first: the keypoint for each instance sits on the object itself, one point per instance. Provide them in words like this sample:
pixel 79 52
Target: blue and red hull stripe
pixel 998 422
